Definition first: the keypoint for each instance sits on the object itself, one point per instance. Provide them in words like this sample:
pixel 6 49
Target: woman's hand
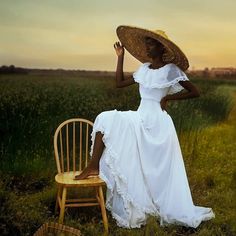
pixel 163 103
pixel 120 51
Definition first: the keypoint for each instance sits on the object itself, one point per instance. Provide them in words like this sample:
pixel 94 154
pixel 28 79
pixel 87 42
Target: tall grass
pixel 32 106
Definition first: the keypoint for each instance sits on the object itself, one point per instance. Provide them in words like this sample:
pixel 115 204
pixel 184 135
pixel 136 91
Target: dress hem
pixel 127 199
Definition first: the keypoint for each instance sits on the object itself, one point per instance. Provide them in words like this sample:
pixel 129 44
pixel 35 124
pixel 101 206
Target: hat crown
pixel 162 33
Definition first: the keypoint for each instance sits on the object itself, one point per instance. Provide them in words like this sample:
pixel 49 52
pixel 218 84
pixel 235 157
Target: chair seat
pixel 67 178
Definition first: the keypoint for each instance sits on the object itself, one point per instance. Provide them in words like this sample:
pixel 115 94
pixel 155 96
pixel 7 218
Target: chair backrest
pixel 71 144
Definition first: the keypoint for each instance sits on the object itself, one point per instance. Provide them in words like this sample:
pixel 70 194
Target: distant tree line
pixel 12 70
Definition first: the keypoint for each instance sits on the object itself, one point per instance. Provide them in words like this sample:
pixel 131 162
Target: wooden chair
pixel 70 159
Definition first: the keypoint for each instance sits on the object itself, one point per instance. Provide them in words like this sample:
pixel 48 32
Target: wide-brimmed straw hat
pixel 133 39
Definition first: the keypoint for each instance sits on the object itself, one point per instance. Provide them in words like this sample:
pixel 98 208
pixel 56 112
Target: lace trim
pixel 167 220
pixel 115 171
pixel 156 85
pixel 175 87
pixel 127 199
pixel 150 78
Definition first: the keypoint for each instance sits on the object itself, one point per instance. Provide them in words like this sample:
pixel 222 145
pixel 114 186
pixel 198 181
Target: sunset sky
pixel 79 34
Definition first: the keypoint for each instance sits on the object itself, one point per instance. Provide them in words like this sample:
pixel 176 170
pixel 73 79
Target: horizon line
pixel 61 68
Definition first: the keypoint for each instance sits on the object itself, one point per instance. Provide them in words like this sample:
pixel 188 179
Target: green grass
pixel 31 108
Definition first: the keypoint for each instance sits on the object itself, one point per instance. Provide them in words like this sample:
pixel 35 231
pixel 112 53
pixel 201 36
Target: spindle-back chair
pixel 71 151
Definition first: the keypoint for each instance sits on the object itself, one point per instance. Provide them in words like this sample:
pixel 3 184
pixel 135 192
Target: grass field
pixel 31 108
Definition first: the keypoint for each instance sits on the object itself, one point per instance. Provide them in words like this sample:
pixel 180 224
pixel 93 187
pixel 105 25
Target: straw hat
pixel 133 39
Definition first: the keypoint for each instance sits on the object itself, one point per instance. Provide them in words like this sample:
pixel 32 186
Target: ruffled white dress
pixel 142 163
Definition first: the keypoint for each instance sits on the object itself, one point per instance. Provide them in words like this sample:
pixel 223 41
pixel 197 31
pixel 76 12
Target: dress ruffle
pixel 111 158
pixel 167 76
pixel 120 185
pixel 142 163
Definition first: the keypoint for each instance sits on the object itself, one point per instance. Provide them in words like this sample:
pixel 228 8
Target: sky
pixel 80 34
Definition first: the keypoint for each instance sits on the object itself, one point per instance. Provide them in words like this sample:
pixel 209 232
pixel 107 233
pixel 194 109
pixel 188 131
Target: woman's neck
pixel 157 63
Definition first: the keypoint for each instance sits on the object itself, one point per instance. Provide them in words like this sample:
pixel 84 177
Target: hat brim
pixel 133 39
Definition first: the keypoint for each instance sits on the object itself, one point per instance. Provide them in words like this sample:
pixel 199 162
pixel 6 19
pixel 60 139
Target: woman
pixel 137 153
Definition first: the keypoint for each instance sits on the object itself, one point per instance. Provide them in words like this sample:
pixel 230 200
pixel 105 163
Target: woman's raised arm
pixel 120 80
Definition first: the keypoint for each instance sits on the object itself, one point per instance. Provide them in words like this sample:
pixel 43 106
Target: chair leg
pixel 103 209
pixel 97 194
pixel 59 188
pixel 63 201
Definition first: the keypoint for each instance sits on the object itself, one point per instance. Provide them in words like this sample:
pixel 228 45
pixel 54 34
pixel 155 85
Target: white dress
pixel 142 163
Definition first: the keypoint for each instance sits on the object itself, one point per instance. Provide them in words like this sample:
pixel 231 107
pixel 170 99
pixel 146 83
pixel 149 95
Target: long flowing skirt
pixel 143 168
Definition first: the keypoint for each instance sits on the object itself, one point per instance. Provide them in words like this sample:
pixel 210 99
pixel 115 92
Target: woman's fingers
pixel 119 49
pixel 117 44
